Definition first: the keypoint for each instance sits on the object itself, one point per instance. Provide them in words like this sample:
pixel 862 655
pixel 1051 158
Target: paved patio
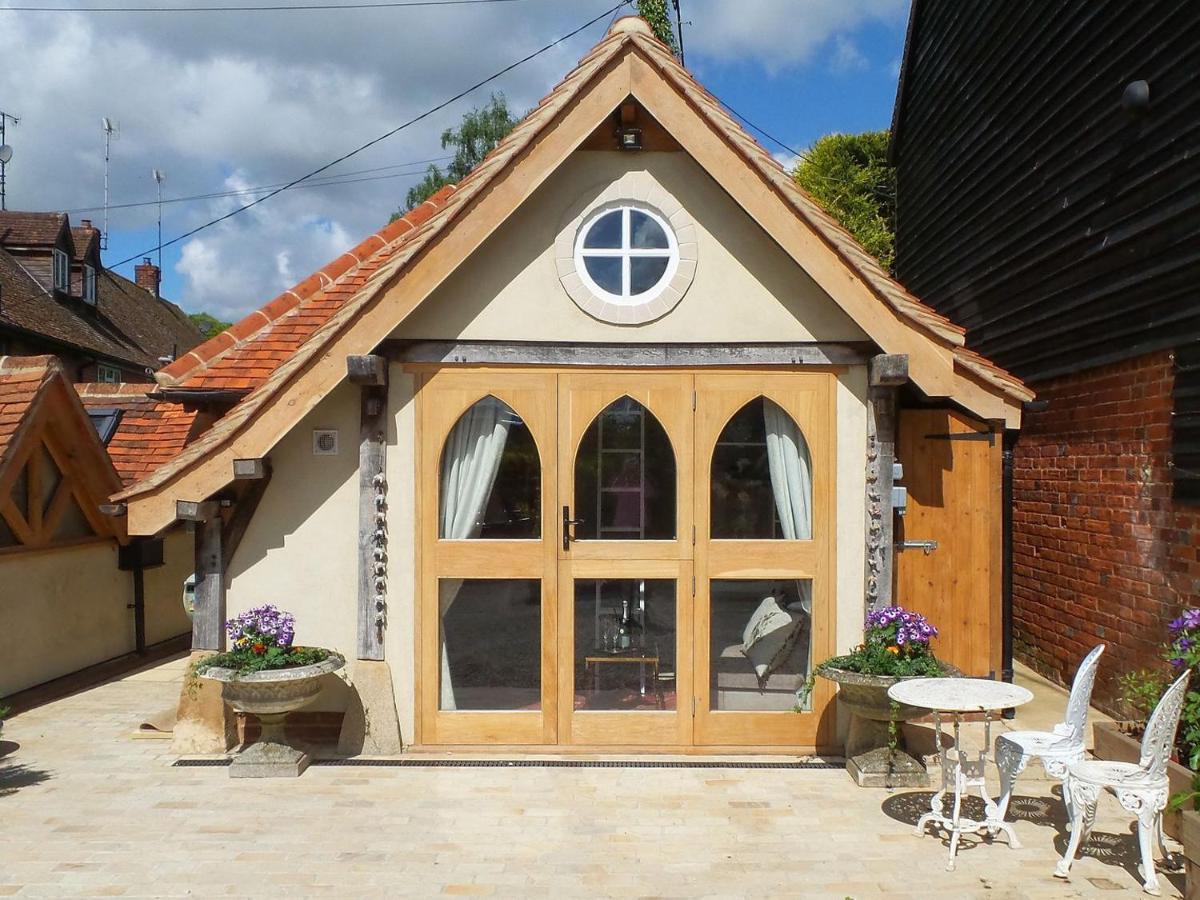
pixel 87 811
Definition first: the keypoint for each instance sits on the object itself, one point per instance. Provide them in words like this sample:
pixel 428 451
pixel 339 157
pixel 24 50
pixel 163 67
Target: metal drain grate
pixel 574 764
pixel 538 764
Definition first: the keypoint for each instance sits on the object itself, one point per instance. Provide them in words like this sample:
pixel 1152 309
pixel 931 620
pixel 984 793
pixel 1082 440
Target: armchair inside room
pixel 760 650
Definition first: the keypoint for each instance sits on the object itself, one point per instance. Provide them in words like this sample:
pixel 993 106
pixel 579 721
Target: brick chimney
pixel 147 276
pixel 85 224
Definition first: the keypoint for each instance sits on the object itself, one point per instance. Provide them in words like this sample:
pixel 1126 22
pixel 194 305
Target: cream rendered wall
pixel 165 616
pixel 60 611
pixel 746 288
pixel 301 549
pixel 400 646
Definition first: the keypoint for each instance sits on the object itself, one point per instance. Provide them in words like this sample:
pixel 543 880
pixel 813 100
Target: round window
pixel 626 255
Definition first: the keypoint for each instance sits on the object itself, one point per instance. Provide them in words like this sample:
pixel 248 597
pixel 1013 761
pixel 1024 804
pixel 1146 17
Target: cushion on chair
pixel 769 636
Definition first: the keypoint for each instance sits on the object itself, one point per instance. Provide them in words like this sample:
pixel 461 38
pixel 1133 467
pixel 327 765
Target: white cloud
pixel 252 99
pixel 775 34
pixel 846 56
pixel 787 160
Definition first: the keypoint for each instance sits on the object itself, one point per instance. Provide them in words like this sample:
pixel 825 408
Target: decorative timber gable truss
pixel 371 298
pixel 54 472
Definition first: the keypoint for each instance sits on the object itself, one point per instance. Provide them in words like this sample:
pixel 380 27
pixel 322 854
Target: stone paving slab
pixel 85 811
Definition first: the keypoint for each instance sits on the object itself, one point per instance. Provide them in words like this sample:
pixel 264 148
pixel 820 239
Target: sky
pixel 225 101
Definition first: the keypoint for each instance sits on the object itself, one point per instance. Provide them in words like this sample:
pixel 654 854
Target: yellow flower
pixel 893 649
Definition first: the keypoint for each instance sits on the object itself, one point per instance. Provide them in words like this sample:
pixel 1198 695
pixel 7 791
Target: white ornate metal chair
pixel 1141 788
pixel 1058 748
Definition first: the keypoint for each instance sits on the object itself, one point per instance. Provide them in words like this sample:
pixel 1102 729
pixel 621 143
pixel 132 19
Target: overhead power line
pixel 766 134
pixel 323 181
pixel 382 137
pixel 282 7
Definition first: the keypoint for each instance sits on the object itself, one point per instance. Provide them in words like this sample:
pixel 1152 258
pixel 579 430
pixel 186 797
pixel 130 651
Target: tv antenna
pixel 159 178
pixel 6 153
pixel 112 130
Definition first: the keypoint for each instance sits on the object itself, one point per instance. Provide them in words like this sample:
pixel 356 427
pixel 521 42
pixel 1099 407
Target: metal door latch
pixel 926 546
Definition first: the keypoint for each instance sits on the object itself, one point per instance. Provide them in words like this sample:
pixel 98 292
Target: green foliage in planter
pixel 262 640
pixel 3 716
pixel 1140 692
pixel 876 660
pixel 247 661
pixel 895 643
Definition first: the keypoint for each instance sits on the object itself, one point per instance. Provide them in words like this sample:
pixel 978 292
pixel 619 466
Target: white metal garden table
pixel 961 770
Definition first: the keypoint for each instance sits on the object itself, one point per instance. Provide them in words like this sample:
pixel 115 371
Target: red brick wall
pixel 1100 551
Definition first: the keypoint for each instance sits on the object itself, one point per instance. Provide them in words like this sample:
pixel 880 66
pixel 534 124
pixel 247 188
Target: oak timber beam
pixel 372 521
pixel 594 354
pixel 208 616
pixel 370 369
pixel 196 510
pixel 250 469
pixel 885 374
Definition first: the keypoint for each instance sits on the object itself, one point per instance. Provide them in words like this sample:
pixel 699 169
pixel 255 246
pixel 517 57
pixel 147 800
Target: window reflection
pixel 491 483
pixel 761 477
pixel 760 644
pixel 625 477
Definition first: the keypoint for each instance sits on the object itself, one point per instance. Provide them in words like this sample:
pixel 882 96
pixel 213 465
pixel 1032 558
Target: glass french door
pixel 616 558
pixel 488 606
pixel 764 493
pixel 625 574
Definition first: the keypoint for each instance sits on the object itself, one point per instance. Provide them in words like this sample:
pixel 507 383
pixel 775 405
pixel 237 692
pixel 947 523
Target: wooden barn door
pixel 952 469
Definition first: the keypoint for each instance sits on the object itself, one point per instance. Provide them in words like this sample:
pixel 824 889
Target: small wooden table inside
pixel 636 657
pixel 961 771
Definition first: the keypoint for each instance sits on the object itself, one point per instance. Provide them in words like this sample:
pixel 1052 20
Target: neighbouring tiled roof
pixel 21 380
pixel 83 238
pixel 150 433
pixel 31 229
pixel 156 325
pixel 242 356
pixel 247 358
pixel 128 324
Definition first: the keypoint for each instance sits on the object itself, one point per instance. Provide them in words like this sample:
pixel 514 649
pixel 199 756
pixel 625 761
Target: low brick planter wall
pixel 304 727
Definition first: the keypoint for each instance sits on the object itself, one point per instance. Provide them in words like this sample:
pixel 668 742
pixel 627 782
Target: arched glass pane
pixel 761 477
pixel 491 480
pixel 625 477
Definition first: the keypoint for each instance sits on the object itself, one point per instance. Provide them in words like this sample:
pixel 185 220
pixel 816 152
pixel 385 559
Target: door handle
pixel 567 522
pixel 926 546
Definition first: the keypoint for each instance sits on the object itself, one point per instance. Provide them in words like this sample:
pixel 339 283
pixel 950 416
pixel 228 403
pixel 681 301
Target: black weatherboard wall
pixel 1061 227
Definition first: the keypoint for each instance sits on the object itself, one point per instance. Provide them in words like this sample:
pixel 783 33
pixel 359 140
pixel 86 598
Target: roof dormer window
pixel 89 284
pixel 62 271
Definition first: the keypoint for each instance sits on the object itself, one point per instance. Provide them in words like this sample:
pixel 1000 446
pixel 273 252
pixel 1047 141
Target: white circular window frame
pixel 670 253
pixel 636 190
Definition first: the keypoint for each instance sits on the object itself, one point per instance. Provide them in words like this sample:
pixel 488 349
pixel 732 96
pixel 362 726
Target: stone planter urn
pixel 869 760
pixel 271 695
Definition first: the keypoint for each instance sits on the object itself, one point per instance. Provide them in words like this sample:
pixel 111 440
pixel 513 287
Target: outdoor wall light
pixel 630 138
pixel 1136 97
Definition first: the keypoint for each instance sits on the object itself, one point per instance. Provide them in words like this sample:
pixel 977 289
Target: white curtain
pixel 791 481
pixel 470 461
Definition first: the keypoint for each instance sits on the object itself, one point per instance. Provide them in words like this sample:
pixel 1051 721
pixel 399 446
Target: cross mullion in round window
pixel 626 255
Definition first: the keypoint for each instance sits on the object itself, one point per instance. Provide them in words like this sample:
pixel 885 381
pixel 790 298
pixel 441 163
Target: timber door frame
pixel 666 394
pixel 810 399
pixel 708 398
pixel 533 396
